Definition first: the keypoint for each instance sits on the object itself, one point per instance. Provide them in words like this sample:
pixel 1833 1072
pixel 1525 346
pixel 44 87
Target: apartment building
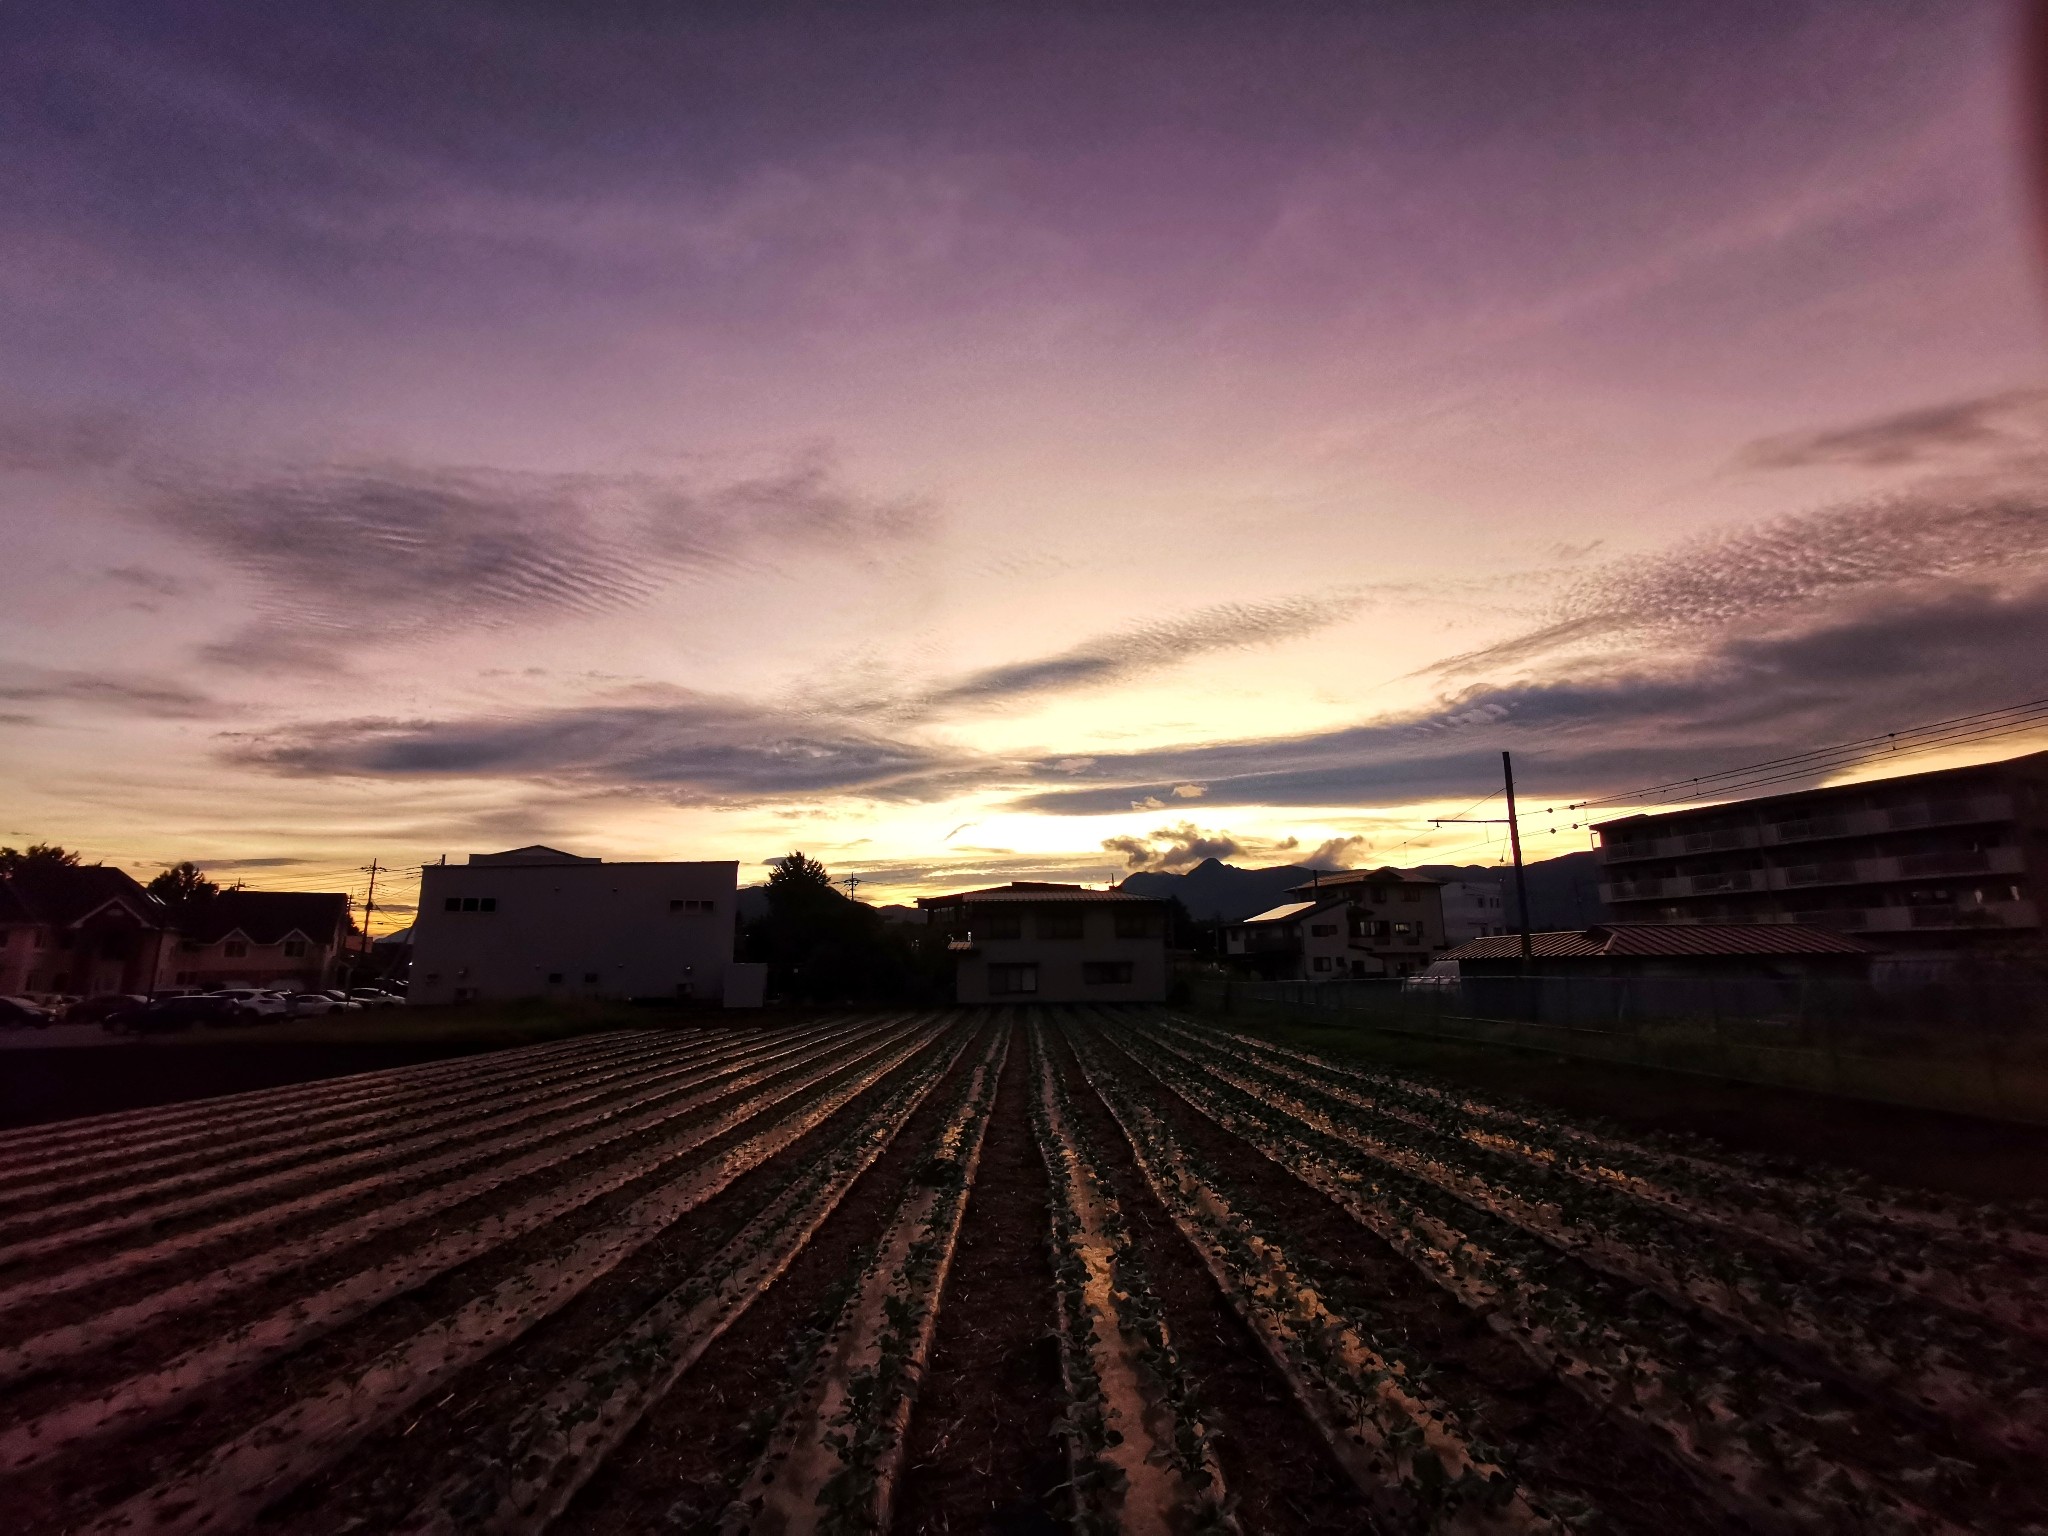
pixel 538 922
pixel 1034 941
pixel 1947 860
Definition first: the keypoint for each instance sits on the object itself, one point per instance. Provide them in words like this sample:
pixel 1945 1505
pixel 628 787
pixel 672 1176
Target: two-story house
pixel 290 940
pixel 1357 923
pixel 1032 941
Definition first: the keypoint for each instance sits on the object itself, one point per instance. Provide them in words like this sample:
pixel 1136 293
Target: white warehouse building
pixel 537 922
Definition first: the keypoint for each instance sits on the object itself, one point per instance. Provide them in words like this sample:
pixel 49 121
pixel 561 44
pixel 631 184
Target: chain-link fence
pixel 1975 1041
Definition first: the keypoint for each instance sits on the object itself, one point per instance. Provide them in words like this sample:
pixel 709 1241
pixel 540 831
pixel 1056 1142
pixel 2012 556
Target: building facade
pixel 78 931
pixel 289 940
pixel 537 922
pixel 1473 909
pixel 1948 860
pixel 1394 923
pixel 1037 942
pixel 1296 941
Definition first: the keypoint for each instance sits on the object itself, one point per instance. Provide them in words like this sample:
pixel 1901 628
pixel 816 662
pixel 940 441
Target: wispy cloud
pixel 394 549
pixel 1898 660
pixel 1931 435
pixel 117 693
pixel 1120 655
pixel 1938 530
pixel 683 748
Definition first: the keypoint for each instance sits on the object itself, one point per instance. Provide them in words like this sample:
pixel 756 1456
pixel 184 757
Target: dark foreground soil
pixel 983 1453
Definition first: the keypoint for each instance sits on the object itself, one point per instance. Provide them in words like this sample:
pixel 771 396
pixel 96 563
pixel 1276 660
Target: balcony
pixel 2004 860
pixel 1954 811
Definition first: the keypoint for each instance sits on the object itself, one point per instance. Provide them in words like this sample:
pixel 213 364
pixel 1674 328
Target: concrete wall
pixel 574 930
pixel 1060 961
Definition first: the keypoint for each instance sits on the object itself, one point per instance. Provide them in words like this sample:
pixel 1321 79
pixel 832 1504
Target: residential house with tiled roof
pixel 77 930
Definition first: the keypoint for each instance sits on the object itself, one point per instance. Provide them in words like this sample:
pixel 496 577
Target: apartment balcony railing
pixel 1954 811
pixel 1949 915
pixel 2004 860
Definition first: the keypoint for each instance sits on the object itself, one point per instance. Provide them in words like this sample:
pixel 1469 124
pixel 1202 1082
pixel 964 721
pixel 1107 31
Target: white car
pixel 254 1002
pixel 370 997
pixel 306 1004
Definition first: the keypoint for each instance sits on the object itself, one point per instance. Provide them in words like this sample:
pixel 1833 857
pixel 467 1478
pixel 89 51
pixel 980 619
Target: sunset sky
pixel 969 443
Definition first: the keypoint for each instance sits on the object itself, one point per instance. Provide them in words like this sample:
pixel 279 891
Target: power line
pixel 1960 730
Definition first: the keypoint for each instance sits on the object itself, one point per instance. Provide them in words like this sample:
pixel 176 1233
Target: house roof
pixel 70 893
pixel 266 917
pixel 1384 876
pixel 1287 912
pixel 532 853
pixel 1036 891
pixel 1665 939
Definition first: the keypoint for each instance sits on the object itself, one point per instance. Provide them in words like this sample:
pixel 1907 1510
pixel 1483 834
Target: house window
pixel 1323 930
pixel 234 949
pixel 487 904
pixel 1322 962
pixel 453 904
pixel 1001 925
pixel 554 978
pixel 1060 923
pixel 1134 925
pixel 692 904
pixel 1012 980
pixel 589 976
pixel 469 904
pixel 1409 893
pixel 1379 895
pixel 1106 973
pixel 295 948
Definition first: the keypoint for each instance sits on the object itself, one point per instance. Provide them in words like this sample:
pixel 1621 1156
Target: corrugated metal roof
pixel 1666 939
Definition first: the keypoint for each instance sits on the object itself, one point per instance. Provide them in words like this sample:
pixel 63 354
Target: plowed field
pixel 1009 1271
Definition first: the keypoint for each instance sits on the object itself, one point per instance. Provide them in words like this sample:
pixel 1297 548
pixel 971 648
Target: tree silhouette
pixel 183 888
pixel 35 857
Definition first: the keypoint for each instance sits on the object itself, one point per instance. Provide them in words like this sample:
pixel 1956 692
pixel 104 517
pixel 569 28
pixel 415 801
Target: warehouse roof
pixel 1666 939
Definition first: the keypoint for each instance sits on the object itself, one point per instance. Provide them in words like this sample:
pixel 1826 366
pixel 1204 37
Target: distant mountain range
pixel 1563 892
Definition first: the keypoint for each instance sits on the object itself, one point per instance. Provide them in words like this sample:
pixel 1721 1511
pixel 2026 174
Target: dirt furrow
pixel 836 1457
pixel 34 1148
pixel 1277 1467
pixel 982 1449
pixel 202 1371
pixel 680 1468
pixel 239 1478
pixel 225 1276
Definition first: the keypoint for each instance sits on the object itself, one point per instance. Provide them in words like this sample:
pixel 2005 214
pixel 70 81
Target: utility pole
pixel 370 902
pixel 852 884
pixel 1514 826
pixel 1507 770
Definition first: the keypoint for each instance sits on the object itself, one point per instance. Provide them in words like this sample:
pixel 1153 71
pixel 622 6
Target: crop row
pixel 1782 1446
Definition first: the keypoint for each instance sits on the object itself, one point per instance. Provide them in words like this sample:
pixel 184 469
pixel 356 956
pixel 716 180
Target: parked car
pixel 169 1013
pixel 342 1000
pixel 104 1006
pixel 20 1013
pixel 254 1002
pixel 307 1004
pixel 371 997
